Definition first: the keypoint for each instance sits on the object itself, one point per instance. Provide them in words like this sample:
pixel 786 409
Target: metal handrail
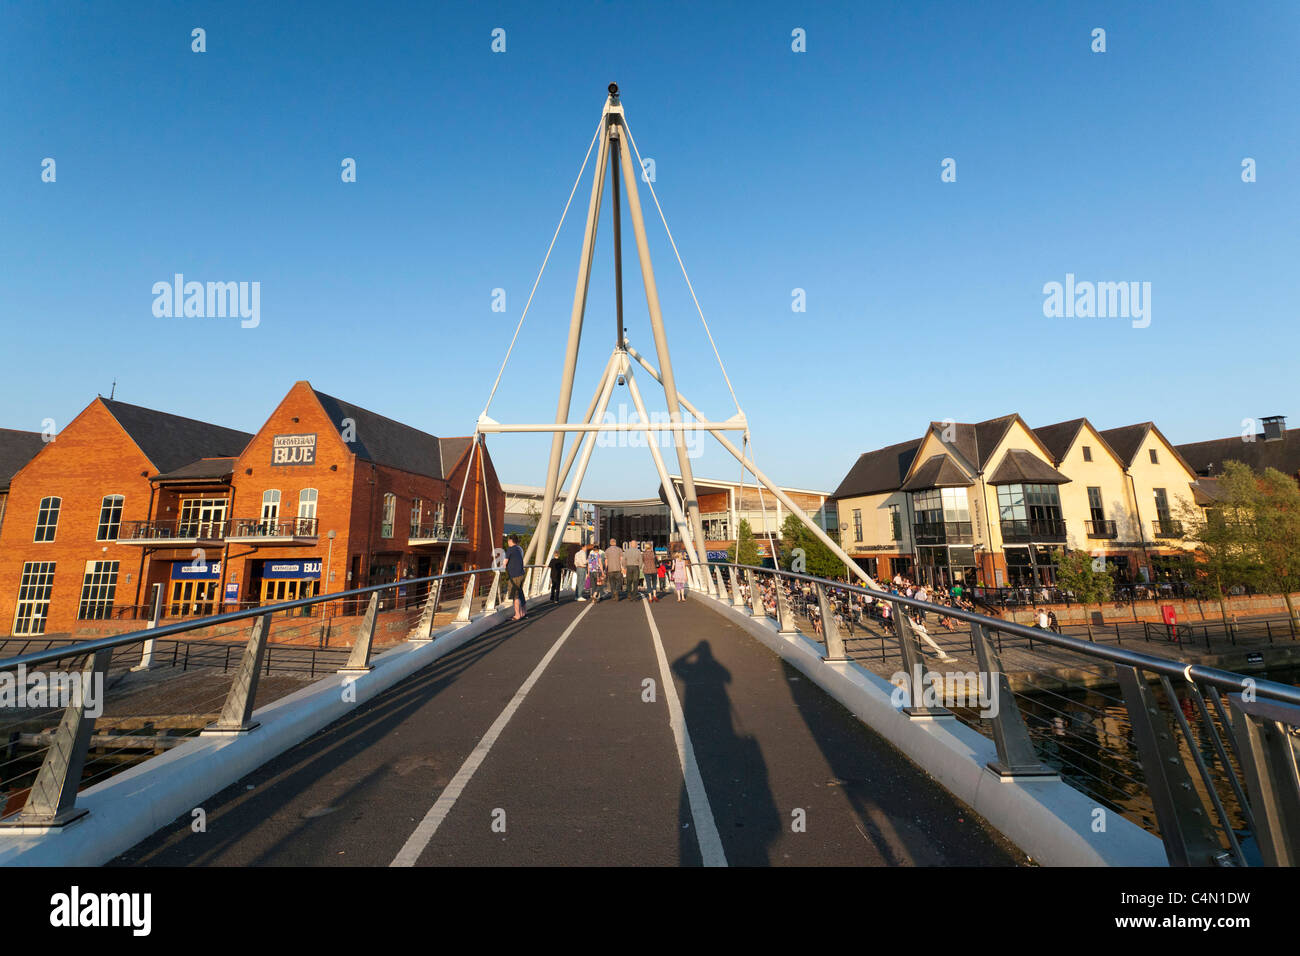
pixel 195 623
pixel 1225 680
pixel 1264 716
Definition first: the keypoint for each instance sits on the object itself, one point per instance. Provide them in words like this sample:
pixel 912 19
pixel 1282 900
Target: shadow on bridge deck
pixel 455 766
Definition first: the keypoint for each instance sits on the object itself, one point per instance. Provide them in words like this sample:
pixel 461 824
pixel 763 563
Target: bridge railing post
pixel 494 594
pixel 784 616
pixel 466 601
pixel 359 659
pixel 737 599
pixel 1016 755
pixel 52 802
pixel 915 671
pixel 423 632
pixel 237 714
pixel 830 630
pixel 722 591
pixel 1188 835
pixel 1268 758
pixel 756 608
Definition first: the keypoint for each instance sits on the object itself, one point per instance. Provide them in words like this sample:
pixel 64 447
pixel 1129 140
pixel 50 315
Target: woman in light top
pixel 680 564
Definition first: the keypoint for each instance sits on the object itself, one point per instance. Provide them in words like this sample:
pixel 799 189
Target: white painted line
pixel 706 830
pixel 418 840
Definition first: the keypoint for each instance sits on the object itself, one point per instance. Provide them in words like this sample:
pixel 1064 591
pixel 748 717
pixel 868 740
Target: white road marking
pixel 706 829
pixel 418 840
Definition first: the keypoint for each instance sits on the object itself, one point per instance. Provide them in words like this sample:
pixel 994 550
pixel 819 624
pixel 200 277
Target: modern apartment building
pixel 988 503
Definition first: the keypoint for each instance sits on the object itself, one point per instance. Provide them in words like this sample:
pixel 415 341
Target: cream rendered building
pixel 988 503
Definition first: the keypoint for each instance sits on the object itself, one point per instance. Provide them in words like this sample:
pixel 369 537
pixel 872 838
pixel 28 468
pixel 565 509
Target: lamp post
pixel 844 537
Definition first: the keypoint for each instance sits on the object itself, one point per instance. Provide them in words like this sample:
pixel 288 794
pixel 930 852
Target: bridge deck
pixel 583 770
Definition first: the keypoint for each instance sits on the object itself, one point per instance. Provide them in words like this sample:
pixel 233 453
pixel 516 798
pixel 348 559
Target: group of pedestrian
pixel 615 571
pixel 628 571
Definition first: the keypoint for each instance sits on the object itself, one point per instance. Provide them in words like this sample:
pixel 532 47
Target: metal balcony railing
pixel 272 528
pixel 174 529
pixel 1166 528
pixel 1203 757
pixel 1100 529
pixel 1023 530
pixel 944 532
pixel 439 532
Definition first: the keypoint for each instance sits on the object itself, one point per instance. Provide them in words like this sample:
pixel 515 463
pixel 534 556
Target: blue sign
pixel 232 592
pixel 718 556
pixel 189 571
pixel 306 568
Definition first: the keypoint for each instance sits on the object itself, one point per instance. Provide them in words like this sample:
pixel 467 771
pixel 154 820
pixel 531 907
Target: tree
pixel 744 551
pixel 1277 536
pixel 1250 537
pixel 819 560
pixel 1077 572
pixel 532 517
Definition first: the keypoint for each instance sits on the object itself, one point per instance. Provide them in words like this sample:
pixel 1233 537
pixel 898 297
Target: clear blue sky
pixel 777 170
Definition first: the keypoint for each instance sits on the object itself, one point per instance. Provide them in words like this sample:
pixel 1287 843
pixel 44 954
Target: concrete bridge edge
pixel 1050 821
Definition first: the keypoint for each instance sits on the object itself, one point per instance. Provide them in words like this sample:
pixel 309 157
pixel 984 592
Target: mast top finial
pixel 613 92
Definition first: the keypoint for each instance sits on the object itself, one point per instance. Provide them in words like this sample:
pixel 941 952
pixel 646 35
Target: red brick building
pixel 326 496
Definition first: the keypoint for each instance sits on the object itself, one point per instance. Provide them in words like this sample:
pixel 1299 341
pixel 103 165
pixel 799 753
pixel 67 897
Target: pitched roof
pixel 205 469
pixel 1207 457
pixel 170 441
pixel 977 441
pixel 1207 492
pixel 939 471
pixel 387 442
pixel 1126 440
pixel 16 450
pixel 1059 437
pixel 1019 466
pixel 881 470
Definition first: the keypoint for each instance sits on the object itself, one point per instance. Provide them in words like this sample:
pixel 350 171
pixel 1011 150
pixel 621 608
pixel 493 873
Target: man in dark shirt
pixel 515 572
pixel 557 568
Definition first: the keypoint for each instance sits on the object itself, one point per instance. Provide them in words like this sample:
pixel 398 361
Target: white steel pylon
pixel 616 145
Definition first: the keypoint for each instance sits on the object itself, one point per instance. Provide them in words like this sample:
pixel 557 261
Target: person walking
pixel 632 560
pixel 662 574
pixel 680 564
pixel 595 573
pixel 556 564
pixel 614 569
pixel 648 569
pixel 580 566
pixel 515 572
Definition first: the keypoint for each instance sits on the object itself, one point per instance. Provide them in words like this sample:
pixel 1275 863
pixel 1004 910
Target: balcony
pixel 1166 528
pixel 944 532
pixel 171 533
pixel 438 534
pixel 1025 530
pixel 1101 529
pixel 271 532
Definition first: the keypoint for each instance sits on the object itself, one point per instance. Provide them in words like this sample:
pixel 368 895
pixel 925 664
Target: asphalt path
pixel 590 734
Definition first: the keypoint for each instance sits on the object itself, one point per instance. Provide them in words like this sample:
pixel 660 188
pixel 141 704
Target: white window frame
pixel 47 520
pixel 112 506
pixel 98 589
pixel 37 583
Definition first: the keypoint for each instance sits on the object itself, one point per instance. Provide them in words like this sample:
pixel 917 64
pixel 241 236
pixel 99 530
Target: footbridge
pixel 770 723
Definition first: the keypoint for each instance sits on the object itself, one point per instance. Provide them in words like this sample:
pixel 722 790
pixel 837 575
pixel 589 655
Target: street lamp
pixel 844 540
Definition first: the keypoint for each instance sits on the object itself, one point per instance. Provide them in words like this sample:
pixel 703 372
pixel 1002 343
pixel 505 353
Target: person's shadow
pixel 732 766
